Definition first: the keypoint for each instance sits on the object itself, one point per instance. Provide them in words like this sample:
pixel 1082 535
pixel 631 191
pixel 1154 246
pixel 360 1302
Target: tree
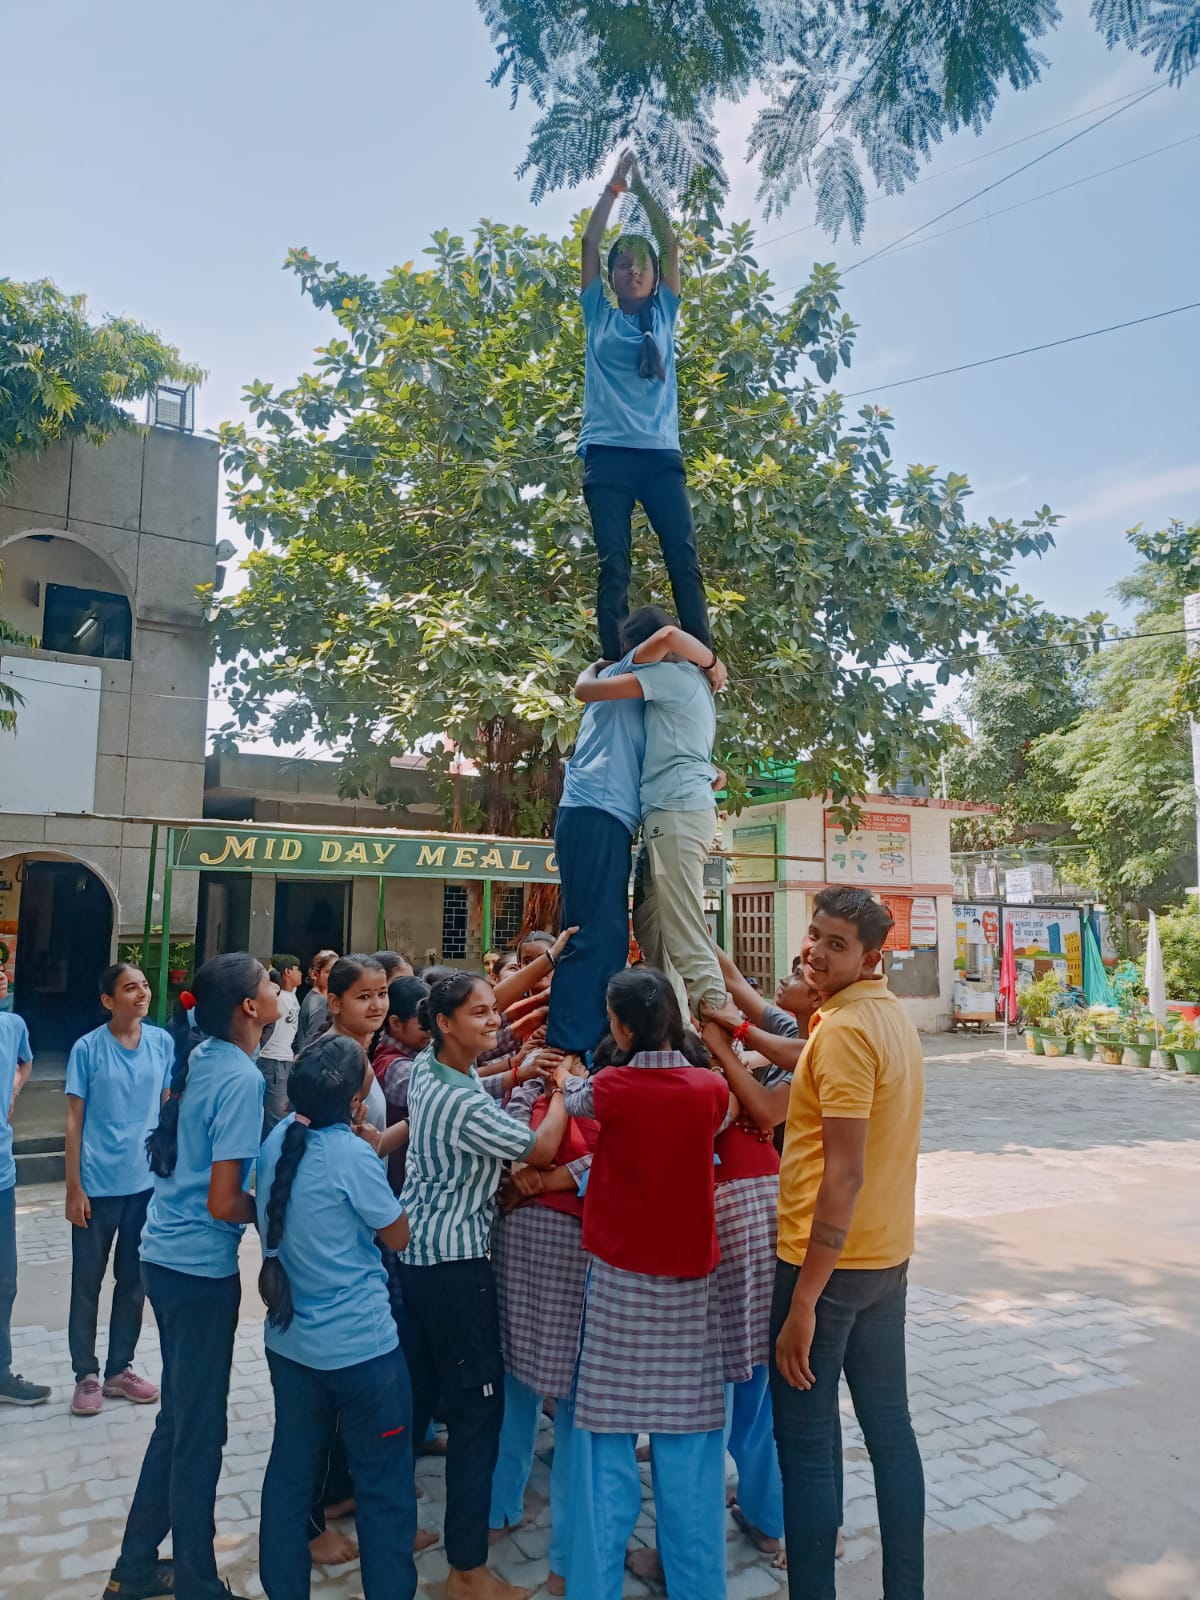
pixel 1126 764
pixel 65 377
pixel 848 85
pixel 1010 703
pixel 423 573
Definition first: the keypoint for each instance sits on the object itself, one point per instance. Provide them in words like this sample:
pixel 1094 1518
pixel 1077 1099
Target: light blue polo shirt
pixel 122 1091
pixel 605 769
pixel 621 408
pixel 681 724
pixel 14 1048
pixel 340 1199
pixel 220 1119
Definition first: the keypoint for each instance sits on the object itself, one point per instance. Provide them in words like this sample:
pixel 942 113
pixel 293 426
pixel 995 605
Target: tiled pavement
pixel 1001 1138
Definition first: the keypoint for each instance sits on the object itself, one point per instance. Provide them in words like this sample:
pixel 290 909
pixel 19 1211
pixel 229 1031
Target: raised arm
pixel 664 233
pixel 765 1107
pixel 744 994
pixel 591 687
pixel 673 641
pixel 509 990
pixel 597 223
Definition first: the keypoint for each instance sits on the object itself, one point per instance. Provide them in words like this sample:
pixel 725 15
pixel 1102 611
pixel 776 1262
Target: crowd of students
pixel 642 1196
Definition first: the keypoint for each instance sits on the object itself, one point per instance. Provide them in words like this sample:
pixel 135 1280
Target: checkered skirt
pixel 540 1272
pixel 650 1354
pixel 745 1275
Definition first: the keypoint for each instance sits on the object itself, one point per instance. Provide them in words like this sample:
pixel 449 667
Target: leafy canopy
pixel 865 83
pixel 65 377
pixel 423 573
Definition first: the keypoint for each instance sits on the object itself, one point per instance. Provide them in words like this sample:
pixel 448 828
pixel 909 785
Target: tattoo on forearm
pixel 824 1233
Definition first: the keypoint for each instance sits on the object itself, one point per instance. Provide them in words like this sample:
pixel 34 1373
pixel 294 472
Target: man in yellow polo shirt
pixel 847 1192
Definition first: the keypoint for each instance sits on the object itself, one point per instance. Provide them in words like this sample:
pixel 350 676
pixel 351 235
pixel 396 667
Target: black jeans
pixel 860 1330
pixel 118 1217
pixel 372 1403
pixel 594 852
pixel 452 1345
pixel 177 1488
pixel 613 482
pixel 8 1274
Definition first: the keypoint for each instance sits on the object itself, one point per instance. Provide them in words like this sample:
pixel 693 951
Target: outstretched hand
pixel 564 938
pixel 626 167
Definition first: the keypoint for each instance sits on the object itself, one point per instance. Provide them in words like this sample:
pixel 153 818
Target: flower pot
pixel 1033 1040
pixel 1147 1036
pixel 177 975
pixel 1112 1051
pixel 1138 1055
pixel 1188 1061
pixel 1084 1049
pixel 1053 1044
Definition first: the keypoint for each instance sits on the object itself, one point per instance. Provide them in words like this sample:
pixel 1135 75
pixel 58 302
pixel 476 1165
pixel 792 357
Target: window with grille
pixel 508 913
pixel 454 922
pixel 754 938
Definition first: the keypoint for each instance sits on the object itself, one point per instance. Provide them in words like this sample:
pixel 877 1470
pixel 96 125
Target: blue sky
pixel 170 155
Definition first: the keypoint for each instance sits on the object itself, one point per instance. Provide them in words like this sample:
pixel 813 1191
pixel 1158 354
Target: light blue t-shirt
pixel 681 724
pixel 220 1119
pixel 605 769
pixel 340 1199
pixel 14 1048
pixel 123 1091
pixel 621 408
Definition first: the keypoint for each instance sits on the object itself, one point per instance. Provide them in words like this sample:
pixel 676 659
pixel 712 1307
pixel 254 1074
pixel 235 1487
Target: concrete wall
pixel 136 516
pixel 803 875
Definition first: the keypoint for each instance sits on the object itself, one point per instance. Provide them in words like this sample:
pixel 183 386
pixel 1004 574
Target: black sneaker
pixel 158 1582
pixel 17 1391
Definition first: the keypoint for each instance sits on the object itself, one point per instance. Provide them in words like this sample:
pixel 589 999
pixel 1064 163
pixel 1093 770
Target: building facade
pixel 101 549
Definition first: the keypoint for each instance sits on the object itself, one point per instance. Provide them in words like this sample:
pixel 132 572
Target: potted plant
pixel 1037 1001
pixel 1085 1035
pixel 1058 1034
pixel 1106 1024
pixel 1137 1052
pixel 1185 1045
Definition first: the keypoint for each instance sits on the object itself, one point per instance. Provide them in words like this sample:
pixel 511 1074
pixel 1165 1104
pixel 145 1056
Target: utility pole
pixel 1191 621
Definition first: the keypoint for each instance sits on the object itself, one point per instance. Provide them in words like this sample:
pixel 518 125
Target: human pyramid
pixel 559 1183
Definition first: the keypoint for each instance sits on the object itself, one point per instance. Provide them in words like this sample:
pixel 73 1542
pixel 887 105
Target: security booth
pixel 298 853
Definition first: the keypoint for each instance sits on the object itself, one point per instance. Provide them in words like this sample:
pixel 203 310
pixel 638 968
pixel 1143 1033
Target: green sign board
pixel 335 854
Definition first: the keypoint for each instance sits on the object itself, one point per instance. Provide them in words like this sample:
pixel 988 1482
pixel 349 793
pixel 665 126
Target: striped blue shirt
pixel 458 1142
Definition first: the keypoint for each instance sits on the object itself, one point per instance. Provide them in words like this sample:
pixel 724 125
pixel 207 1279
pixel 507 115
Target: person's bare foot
pixel 549 1407
pixel 762 1542
pixel 332 1549
pixel 481 1583
pixel 779 1561
pixel 839 1549
pixel 339 1509
pixel 555 1584
pixel 643 1452
pixel 646 1564
pixel 425 1539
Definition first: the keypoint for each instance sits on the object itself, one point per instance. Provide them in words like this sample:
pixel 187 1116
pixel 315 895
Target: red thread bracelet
pixel 742 1032
pixel 617 188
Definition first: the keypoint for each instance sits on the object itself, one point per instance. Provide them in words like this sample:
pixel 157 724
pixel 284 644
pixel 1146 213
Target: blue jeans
pixel 373 1404
pixel 688 1474
pixel 177 1488
pixel 594 853
pixel 8 1273
pixel 860 1329
pixel 119 1219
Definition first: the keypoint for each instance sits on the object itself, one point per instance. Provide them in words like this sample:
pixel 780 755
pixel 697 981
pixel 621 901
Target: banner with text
pixel 877 853
pixel 315 855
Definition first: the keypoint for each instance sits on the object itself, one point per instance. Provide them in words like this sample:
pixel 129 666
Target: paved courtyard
pixel 1053 1334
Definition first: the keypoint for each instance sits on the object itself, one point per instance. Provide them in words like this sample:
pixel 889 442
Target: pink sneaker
pixel 88 1399
pixel 128 1386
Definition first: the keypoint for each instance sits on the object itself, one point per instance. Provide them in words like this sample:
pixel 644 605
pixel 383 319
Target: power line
pixel 1027 350
pixel 1006 177
pixel 986 155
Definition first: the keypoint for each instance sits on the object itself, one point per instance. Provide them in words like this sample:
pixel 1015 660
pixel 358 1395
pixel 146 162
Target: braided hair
pixel 218 990
pixel 650 361
pixel 323 1083
pixel 642 999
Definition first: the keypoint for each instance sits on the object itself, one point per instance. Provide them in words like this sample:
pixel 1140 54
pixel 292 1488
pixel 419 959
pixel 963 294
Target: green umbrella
pixel 1095 979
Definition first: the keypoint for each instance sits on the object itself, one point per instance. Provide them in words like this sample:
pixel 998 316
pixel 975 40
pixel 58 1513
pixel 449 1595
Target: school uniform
pixel 339 1361
pixel 459 1142
pixel 122 1091
pixel 650 1345
pixel 190 1270
pixel 14 1052
pixel 541 1270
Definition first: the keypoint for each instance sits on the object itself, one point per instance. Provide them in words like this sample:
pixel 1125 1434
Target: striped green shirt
pixel 458 1142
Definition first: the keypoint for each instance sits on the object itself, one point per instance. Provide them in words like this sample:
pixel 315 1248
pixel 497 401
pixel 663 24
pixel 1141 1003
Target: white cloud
pixel 1133 496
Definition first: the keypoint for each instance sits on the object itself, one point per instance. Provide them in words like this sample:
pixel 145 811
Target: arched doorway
pixel 63 943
